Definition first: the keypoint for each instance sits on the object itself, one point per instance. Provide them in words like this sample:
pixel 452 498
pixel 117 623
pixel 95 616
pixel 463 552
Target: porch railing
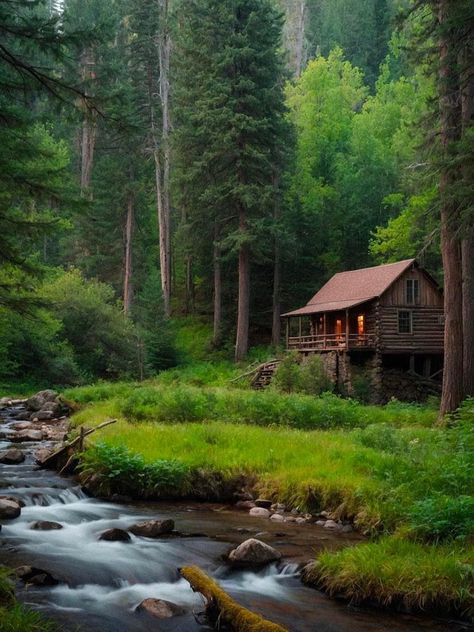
pixel 333 342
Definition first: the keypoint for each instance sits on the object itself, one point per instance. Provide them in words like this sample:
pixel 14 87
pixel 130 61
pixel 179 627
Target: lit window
pixel 413 291
pixel 361 324
pixel 405 322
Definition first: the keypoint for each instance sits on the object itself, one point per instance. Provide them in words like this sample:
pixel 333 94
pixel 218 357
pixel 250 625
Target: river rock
pixel 27 435
pixel 260 512
pixel 5 402
pixel 36 576
pixel 276 517
pixel 115 535
pixel 253 552
pixel 36 402
pixel 332 524
pixel 12 457
pixel 9 509
pixel 45 525
pixel 152 528
pixel 13 499
pixel 262 502
pixel 347 528
pixel 160 608
pixel 42 415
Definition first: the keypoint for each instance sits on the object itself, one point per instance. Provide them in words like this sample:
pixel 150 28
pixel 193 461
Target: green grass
pixel 397 572
pixel 13 616
pixel 391 469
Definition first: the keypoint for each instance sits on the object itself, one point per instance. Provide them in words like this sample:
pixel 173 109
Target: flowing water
pixel 101 582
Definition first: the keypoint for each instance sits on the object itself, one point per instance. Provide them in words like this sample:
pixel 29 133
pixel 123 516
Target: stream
pixel 101 583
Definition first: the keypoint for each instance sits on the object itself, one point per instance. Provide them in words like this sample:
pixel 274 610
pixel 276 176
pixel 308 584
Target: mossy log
pixel 220 607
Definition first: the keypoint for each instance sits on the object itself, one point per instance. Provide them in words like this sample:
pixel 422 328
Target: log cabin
pixel 386 319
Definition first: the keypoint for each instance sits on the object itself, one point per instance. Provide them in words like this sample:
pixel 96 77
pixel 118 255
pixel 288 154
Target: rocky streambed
pixel 95 565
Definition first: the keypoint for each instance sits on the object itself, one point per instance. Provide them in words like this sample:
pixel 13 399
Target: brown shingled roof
pixel 348 289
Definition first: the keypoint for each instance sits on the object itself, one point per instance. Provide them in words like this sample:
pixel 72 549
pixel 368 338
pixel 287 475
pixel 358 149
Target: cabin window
pixel 405 322
pixel 413 291
pixel 361 324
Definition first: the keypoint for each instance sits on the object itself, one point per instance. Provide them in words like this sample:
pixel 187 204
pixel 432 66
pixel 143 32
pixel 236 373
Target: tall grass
pixel 397 572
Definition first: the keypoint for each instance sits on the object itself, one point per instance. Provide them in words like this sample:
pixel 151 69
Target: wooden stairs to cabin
pixel 264 374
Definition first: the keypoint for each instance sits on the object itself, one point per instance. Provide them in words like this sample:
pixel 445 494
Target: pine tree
pixel 228 114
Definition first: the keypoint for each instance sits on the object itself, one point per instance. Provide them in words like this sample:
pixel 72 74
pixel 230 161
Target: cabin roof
pixel 348 289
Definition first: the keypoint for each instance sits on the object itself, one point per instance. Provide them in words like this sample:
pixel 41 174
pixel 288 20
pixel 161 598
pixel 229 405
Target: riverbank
pixel 388 476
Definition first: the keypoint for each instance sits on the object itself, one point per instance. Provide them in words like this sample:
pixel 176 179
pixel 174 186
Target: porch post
pixel 347 329
pixel 287 332
pixel 300 328
pixel 324 330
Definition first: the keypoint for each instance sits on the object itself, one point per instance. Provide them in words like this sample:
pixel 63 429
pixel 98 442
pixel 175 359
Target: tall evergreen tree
pixel 229 109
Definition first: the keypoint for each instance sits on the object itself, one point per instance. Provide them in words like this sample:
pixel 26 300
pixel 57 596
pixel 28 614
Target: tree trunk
pixel 300 37
pixel 217 334
pixel 276 299
pixel 164 52
pixel 241 343
pixel 189 284
pixel 127 276
pixel 89 127
pixel 452 393
pixel 467 107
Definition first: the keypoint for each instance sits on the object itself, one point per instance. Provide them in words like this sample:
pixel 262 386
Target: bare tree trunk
pixel 89 127
pixel 128 258
pixel 300 36
pixel 467 107
pixel 243 307
pixel 276 299
pixel 164 219
pixel 217 334
pixel 452 393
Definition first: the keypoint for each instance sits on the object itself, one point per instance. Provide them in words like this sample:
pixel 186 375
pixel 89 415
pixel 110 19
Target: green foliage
pixel 6 586
pixel 287 377
pixel 20 619
pixel 442 517
pixel 306 376
pixel 122 471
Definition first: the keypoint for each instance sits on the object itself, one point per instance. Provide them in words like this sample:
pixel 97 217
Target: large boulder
pixel 152 528
pixel 12 457
pixel 160 608
pixel 115 535
pixel 263 502
pixel 253 552
pixel 38 401
pixel 9 509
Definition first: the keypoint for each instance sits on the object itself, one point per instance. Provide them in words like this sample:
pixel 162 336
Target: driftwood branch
pixel 49 460
pixel 220 607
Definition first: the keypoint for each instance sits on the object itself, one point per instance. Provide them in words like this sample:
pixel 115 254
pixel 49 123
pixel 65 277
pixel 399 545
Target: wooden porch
pixel 331 342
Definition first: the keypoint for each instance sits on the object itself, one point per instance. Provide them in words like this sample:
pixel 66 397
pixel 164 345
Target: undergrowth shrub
pixel 442 517
pixel 123 472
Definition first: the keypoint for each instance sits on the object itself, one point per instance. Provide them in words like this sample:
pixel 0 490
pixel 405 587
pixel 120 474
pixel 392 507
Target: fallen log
pixel 223 609
pixel 51 459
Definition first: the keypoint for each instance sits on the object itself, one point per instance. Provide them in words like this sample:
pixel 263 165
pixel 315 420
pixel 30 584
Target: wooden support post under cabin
pixel 287 332
pixel 427 367
pixel 324 330
pixel 412 364
pixel 300 327
pixel 347 329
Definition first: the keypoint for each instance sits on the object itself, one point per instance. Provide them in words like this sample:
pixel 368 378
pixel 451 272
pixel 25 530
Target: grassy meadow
pixel 400 476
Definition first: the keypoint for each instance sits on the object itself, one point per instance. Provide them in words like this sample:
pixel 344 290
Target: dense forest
pixel 222 160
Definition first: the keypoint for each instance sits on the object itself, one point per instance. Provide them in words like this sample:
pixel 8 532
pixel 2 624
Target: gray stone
pixel 320 523
pixel 152 528
pixel 42 415
pixel 36 402
pixel 36 576
pixel 301 520
pixel 276 517
pixel 260 512
pixel 253 552
pixel 331 524
pixel 45 525
pixel 160 608
pixel 12 457
pixel 115 535
pixel 347 529
pixel 9 509
pixel 27 435
pixel 245 504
